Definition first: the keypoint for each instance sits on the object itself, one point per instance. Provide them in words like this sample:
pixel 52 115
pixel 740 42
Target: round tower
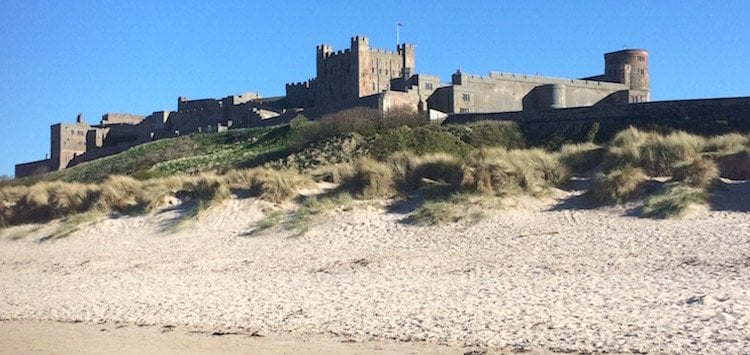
pixel 629 66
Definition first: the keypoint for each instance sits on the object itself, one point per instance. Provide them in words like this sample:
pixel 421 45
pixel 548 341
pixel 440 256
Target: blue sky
pixel 59 58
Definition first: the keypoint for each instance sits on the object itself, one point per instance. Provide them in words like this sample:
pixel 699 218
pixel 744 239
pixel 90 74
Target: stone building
pixel 625 80
pixel 350 74
pixel 67 141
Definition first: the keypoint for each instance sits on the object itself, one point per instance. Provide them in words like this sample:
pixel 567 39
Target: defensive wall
pixel 625 80
pixel 701 116
pixel 120 118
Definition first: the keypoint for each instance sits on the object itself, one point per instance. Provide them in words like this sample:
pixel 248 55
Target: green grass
pixel 71 224
pixel 313 210
pixel 270 220
pixel 186 154
pixel 452 209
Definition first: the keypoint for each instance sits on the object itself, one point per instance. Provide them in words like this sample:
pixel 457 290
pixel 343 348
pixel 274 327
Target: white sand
pixel 533 277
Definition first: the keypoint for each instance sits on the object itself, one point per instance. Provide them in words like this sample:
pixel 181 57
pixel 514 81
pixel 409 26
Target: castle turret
pixel 366 76
pixel 629 66
pixel 406 51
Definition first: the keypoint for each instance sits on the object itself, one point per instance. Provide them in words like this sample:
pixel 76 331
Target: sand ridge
pixel 534 276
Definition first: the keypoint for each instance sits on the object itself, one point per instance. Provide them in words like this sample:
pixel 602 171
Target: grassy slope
pixel 189 154
pixel 279 145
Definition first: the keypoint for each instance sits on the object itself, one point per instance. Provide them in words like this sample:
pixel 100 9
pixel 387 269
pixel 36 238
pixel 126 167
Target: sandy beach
pixel 549 275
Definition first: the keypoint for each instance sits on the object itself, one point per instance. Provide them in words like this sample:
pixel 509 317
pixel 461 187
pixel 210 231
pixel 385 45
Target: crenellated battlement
pixel 461 78
pixel 299 84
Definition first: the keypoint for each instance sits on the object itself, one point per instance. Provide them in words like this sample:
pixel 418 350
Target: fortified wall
pixel 625 80
pixel 704 116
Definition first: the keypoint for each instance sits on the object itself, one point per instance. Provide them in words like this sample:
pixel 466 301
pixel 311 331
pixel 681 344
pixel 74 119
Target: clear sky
pixel 59 58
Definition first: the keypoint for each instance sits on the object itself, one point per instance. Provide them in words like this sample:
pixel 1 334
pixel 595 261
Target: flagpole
pixel 398 25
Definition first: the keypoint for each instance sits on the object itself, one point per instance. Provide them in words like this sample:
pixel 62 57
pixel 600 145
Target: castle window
pixel 466 97
pixel 641 59
pixel 428 86
pixel 643 72
pixel 463 110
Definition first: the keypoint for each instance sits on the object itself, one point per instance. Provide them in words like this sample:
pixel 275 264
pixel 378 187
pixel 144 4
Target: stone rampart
pixel 703 116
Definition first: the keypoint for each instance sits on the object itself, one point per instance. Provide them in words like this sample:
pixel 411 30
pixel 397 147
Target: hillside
pixel 370 156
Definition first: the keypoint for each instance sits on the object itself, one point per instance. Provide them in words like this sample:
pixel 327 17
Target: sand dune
pixel 548 275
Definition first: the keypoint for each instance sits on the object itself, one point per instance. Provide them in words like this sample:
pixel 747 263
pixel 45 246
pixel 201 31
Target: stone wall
pixel 120 118
pixel 706 116
pixel 34 168
pixel 503 92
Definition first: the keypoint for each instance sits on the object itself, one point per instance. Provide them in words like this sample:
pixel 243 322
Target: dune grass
pixel 277 186
pixel 312 208
pixel 673 200
pixel 269 220
pixel 656 154
pixel 333 173
pixel 500 172
pixel 582 157
pixel 435 175
pixel 371 179
pixel 699 172
pixel 727 143
pixel 451 209
pixel 618 185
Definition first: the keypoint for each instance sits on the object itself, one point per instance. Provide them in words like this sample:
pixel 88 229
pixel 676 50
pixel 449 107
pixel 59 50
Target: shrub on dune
pixel 673 200
pixel 45 201
pixel 618 185
pixel 541 168
pixel 661 153
pixel 207 189
pixel 726 144
pixel 333 173
pixel 581 157
pixel 371 179
pixel 239 179
pixel 402 163
pixel 698 172
pixel 156 191
pixel 439 168
pixel 119 193
pixel 625 148
pixel 276 186
pixel 489 172
pixel 71 198
pixel 655 153
pixel 501 171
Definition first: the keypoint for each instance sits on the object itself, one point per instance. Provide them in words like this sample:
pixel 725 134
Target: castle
pixel 356 77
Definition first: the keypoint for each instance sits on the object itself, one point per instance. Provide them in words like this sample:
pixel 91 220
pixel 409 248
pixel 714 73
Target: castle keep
pixel 359 76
